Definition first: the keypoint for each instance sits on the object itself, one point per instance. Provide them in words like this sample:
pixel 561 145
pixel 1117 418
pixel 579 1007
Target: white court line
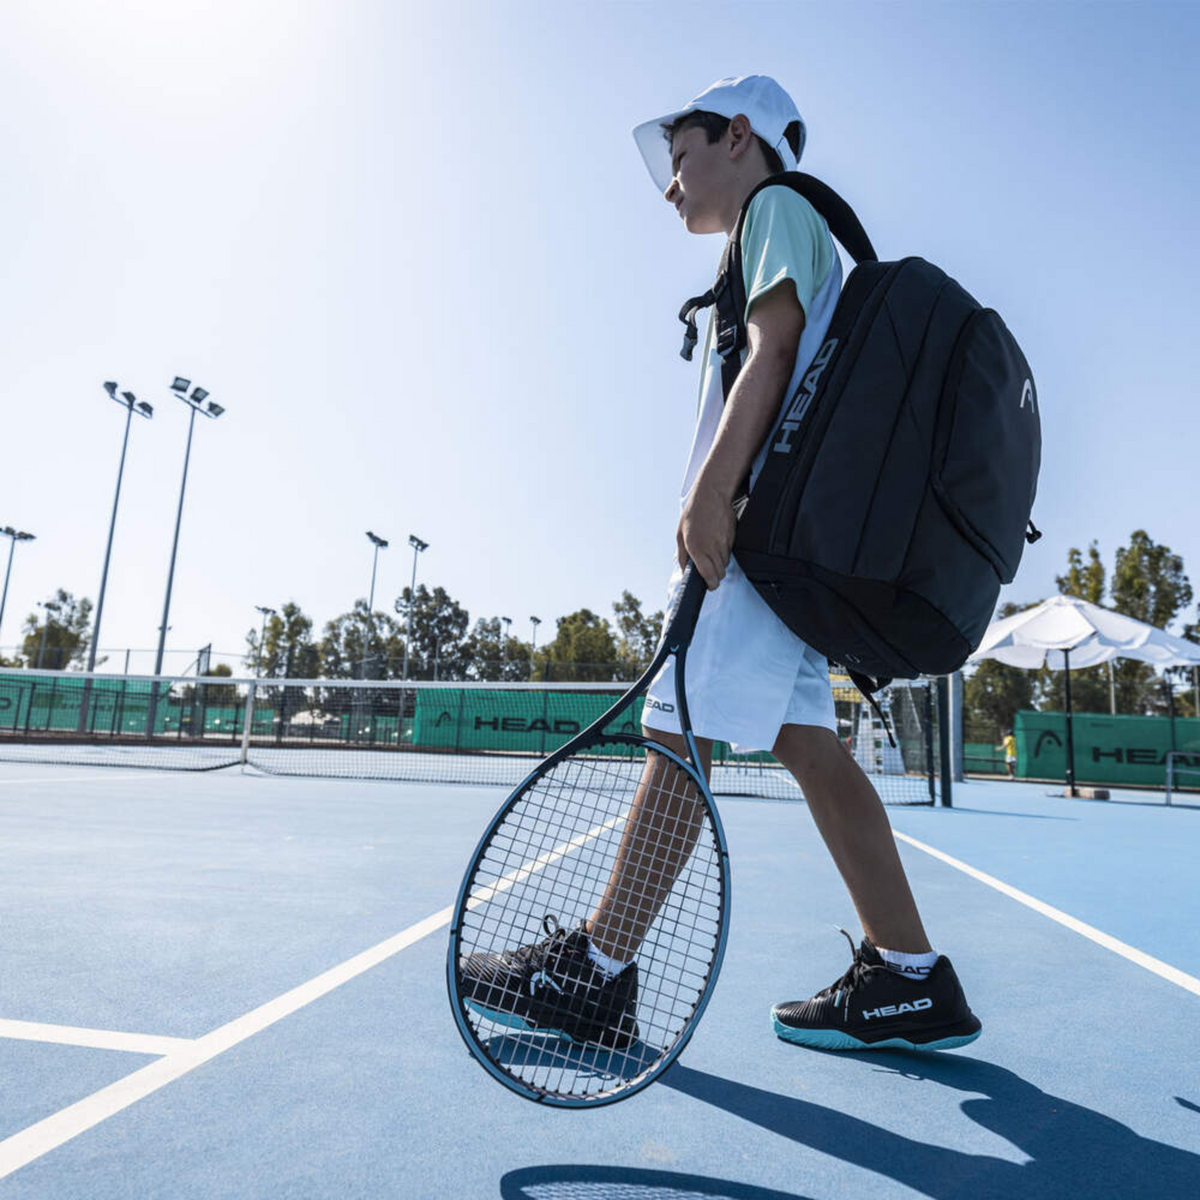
pixel 22 1148
pixel 1172 974
pixel 108 775
pixel 92 1039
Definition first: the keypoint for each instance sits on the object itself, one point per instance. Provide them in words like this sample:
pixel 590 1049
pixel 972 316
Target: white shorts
pixel 747 673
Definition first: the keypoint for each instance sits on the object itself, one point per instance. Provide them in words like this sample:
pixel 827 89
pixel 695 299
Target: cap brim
pixel 656 151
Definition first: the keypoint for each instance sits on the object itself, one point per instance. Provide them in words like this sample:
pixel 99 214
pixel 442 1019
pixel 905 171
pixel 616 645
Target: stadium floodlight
pixel 214 410
pixel 111 388
pixel 14 536
pixel 145 409
pixel 179 387
pixel 417 545
pixel 266 612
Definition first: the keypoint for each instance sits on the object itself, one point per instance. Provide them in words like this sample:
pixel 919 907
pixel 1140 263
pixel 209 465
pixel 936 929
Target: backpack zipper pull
pixel 1033 534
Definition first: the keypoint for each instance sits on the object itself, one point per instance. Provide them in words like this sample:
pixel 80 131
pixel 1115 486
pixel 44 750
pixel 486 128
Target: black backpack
pixel 900 476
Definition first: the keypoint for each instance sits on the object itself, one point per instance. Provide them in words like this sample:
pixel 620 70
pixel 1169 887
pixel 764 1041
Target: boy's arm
pixel 707 526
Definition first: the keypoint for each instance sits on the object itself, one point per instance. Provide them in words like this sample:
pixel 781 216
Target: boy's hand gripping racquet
pixel 613 835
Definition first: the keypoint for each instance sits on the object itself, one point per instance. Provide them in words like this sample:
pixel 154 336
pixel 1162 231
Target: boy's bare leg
pixel 851 819
pixel 660 833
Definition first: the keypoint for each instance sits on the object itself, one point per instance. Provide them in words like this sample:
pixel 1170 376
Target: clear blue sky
pixel 415 253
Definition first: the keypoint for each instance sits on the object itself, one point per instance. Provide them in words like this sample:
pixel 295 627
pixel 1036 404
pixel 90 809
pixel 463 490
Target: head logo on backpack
pixel 902 473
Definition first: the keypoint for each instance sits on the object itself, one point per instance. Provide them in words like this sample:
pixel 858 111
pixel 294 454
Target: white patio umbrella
pixel 1065 631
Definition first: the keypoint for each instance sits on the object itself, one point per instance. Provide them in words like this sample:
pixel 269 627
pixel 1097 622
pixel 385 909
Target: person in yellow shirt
pixel 1009 746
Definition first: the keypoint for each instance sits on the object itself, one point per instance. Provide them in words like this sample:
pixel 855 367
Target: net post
pixel 943 695
pixel 928 714
pixel 1170 763
pixel 247 720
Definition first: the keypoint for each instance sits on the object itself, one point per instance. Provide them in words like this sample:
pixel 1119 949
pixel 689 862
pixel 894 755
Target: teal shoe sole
pixel 512 1021
pixel 831 1039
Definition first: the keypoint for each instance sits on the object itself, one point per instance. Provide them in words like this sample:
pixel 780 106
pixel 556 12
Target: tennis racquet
pixel 614 824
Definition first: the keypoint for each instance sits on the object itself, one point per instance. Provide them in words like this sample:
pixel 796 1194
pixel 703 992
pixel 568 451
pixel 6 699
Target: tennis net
pixel 469 733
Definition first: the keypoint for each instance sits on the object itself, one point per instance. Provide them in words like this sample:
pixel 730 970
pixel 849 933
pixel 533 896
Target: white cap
pixel 768 108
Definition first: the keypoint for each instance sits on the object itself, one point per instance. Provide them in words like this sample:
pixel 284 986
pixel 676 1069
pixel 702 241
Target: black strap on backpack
pixel 728 293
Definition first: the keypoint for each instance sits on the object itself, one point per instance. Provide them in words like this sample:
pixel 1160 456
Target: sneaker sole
pixel 513 1021
pixel 832 1039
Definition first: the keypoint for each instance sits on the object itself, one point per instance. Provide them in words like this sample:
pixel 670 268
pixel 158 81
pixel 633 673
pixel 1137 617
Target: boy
pixel 1009 746
pixel 751 681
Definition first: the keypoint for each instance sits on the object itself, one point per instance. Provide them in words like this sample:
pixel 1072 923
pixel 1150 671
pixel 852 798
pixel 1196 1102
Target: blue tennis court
pixel 227 984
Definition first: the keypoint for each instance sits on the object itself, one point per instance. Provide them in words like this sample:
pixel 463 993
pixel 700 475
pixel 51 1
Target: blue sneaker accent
pixel 833 1039
pixel 512 1021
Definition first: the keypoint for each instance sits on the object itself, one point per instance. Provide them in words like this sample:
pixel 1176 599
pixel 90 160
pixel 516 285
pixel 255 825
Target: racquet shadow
pixel 574 1182
pixel 1073 1150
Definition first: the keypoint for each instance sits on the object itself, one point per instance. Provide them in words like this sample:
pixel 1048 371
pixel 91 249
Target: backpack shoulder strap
pixel 728 293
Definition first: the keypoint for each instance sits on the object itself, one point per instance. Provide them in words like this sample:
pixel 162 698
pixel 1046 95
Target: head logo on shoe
pixel 891 1010
pixel 540 978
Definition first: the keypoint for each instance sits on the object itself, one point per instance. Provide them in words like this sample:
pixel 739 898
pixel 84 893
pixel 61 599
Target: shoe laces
pixel 854 976
pixel 536 953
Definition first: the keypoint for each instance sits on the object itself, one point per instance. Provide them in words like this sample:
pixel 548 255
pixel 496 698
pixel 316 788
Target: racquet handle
pixel 683 619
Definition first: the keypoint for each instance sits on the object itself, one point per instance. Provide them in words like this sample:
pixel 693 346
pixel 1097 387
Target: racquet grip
pixel 683 619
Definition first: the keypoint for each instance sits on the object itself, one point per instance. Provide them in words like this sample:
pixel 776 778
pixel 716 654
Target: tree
pixel 360 644
pixel 1085 582
pixel 638 635
pixel 288 649
pixel 439 626
pixel 492 657
pixel 67 628
pixel 582 650
pixel 1149 584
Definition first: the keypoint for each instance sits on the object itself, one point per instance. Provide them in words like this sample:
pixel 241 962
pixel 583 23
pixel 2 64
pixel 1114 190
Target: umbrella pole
pixel 1070 738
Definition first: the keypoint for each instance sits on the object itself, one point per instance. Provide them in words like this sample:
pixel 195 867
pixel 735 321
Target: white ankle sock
pixel 912 966
pixel 610 966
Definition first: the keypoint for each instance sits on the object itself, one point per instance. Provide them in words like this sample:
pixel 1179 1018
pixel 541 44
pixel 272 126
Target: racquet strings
pixel 553 854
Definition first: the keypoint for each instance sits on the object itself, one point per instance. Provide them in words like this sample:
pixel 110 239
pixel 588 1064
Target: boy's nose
pixel 672 191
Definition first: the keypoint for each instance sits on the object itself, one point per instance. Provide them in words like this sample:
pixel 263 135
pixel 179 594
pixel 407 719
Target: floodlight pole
pixel 535 621
pixel 162 629
pixel 128 400
pixel 180 387
pixel 144 410
pixel 14 536
pixel 417 545
pixel 379 544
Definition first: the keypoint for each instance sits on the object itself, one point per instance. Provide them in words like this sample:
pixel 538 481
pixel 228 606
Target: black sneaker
pixel 871 1006
pixel 553 986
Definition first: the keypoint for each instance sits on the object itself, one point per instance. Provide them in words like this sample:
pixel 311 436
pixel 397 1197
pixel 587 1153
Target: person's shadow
pixel 1074 1151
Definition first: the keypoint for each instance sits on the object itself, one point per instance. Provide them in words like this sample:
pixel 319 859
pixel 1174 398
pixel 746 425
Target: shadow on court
pixel 571 1182
pixel 1075 1151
